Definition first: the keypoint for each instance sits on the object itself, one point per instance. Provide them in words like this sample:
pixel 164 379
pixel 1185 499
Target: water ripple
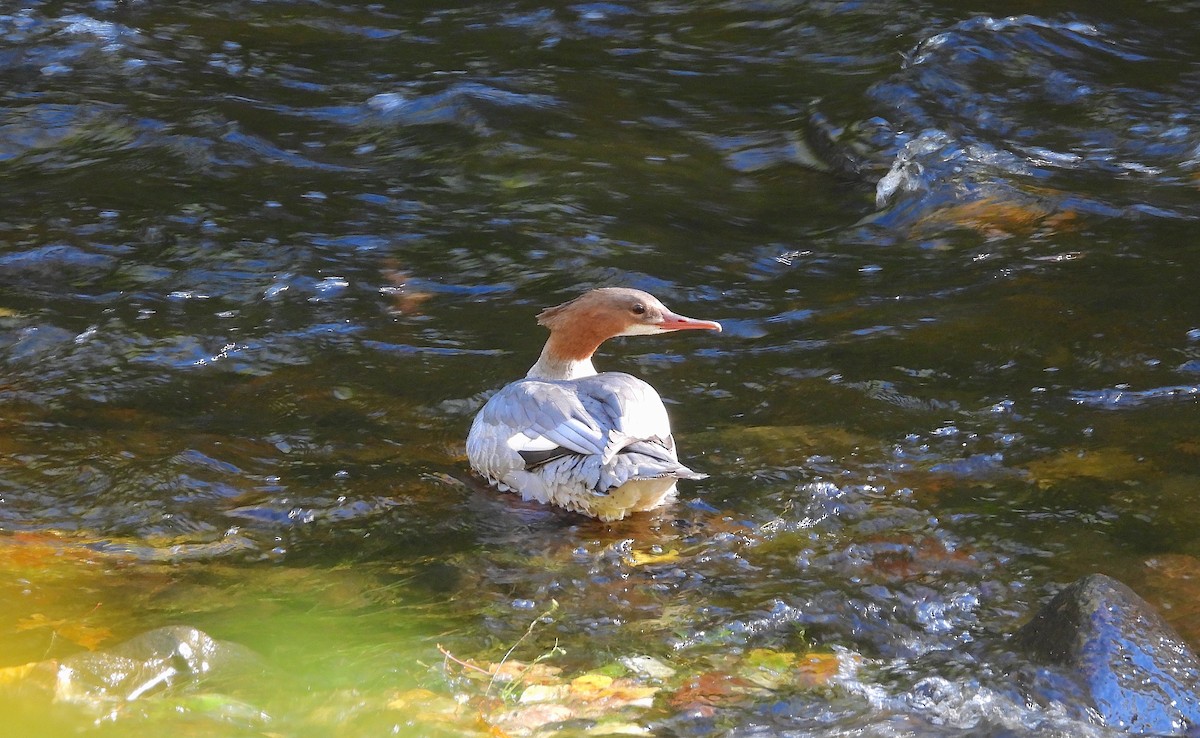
pixel 970 121
pixel 1124 398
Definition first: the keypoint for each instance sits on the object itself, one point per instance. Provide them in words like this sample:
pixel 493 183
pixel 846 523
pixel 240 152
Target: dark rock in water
pixel 1138 672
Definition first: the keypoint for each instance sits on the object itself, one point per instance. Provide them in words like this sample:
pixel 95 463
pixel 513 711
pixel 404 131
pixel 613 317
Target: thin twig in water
pixel 495 669
pixel 451 657
pixel 528 632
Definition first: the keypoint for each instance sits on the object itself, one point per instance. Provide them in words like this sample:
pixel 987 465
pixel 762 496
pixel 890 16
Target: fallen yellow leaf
pixel 644 558
pixel 768 668
pixel 596 694
pixel 767 658
pixel 543 693
pixel 590 683
pixel 815 669
pixel 88 636
pixel 1190 446
pixel 618 729
pixel 14 674
pixel 410 697
pixel 525 720
pixel 534 673
pixel 1111 464
pixel 36 620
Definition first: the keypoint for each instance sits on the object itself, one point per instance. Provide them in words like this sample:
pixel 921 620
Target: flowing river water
pixel 261 261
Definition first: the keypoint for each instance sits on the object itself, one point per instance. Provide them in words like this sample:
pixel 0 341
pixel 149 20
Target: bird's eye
pixel 639 309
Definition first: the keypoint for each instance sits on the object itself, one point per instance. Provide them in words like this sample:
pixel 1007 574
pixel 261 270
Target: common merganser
pixel 597 444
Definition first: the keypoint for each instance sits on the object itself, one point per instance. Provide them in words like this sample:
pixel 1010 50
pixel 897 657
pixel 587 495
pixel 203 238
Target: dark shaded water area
pixel 260 262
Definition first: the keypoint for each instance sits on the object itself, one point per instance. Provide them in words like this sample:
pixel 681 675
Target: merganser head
pixel 577 328
pixel 618 311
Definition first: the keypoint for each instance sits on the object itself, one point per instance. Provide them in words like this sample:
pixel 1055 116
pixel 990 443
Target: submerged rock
pixel 1138 673
pixel 148 663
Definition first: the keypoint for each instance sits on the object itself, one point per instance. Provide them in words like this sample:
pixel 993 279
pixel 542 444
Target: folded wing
pixel 583 436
